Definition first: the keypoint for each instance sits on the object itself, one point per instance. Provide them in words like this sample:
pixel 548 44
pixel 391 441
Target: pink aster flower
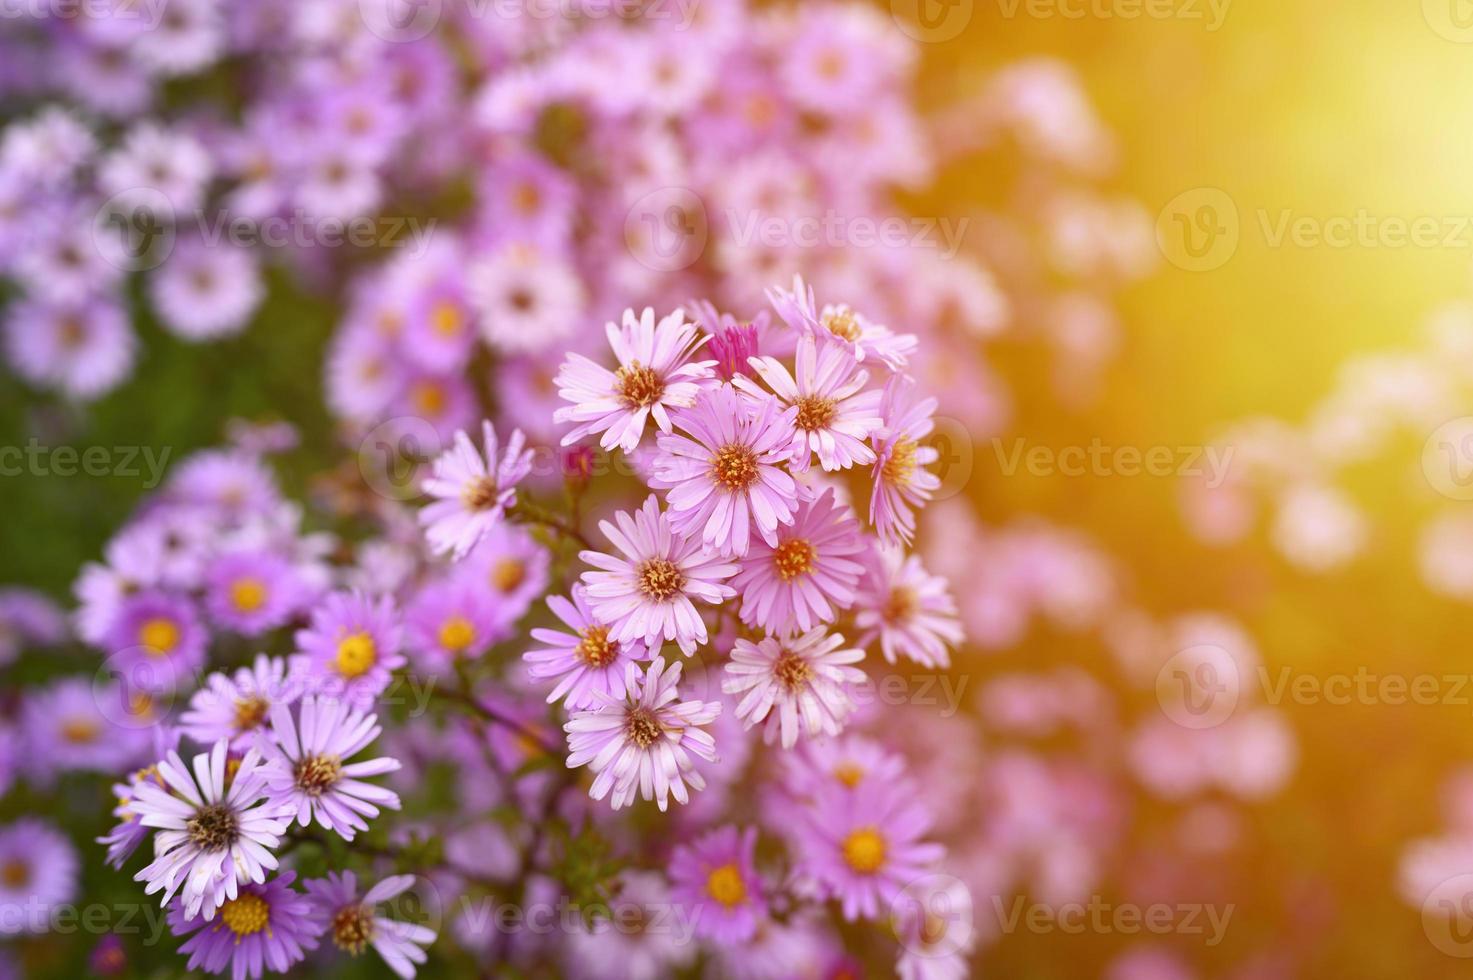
pixel 808 575
pixel 472 494
pixel 724 474
pixel 648 594
pixel 252 591
pixel 908 609
pixel 265 925
pixel 901 480
pixel 85 348
pixel 236 706
pixel 73 725
pixel 835 415
pixel 158 641
pixel 715 877
pixel 354 923
pixel 451 620
pixel 310 772
pixel 793 684
pixel 863 848
pixel 586 663
pixel 38 871
pixel 864 339
pixel 352 647
pixel 643 745
pixel 212 838
pixel 655 374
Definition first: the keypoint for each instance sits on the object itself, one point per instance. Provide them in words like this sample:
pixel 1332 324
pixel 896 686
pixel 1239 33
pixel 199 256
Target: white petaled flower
pixel 643 745
pixel 311 775
pixel 472 494
pixel 655 373
pixel 794 684
pixel 212 838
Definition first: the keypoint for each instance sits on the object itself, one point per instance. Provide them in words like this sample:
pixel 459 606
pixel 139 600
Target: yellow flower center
pixel 791 670
pixel 734 467
pixel 660 579
pixel 842 324
pixel 446 320
pixel 429 398
pixel 352 929
pixel 247 594
pixel 79 731
pixel 643 728
pixel 595 648
pixel 900 606
pixel 901 462
pixel 864 850
pixel 849 773
pixel 356 654
pixel 638 386
pixel 726 886
pixel 160 635
pixel 15 874
pixel 481 494
pixel 815 412
pixel 793 558
pixel 457 634
pixel 508 573
pixel 250 712
pixel 245 915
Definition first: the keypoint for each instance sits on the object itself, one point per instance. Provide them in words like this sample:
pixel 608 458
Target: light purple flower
pixel 864 339
pixel 352 647
pixel 793 684
pixel 808 575
pixel 648 594
pixel 835 415
pixel 724 475
pixel 236 706
pixel 715 877
pixel 252 591
pixel 72 724
pixel 158 641
pixel 863 848
pixel 265 925
pixel 206 291
pixel 354 923
pixel 586 662
pixel 901 480
pixel 211 838
pixel 472 494
pixel 449 620
pixel 655 374
pixel 643 745
pixel 84 348
pixel 309 771
pixel 907 608
pixel 38 871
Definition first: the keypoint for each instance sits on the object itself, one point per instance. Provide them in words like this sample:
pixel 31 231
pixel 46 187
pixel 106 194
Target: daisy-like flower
pixel 907 608
pixel 351 647
pixel 158 641
pixel 901 480
pixel 835 415
pixel 724 474
pixel 451 620
pixel 587 662
pixel 655 374
pixel 793 684
pixel 38 870
pixel 354 923
pixel 643 745
pixel 528 298
pixel 265 925
pixel 472 494
pixel 648 594
pixel 84 347
pixel 311 774
pixel 236 706
pixel 212 838
pixel 864 339
pixel 715 877
pixel 72 725
pixel 510 565
pixel 863 848
pixel 808 575
pixel 251 592
pixel 206 291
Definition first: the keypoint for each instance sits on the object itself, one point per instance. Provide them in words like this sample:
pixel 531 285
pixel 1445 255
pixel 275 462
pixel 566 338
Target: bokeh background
pixel 1317 107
